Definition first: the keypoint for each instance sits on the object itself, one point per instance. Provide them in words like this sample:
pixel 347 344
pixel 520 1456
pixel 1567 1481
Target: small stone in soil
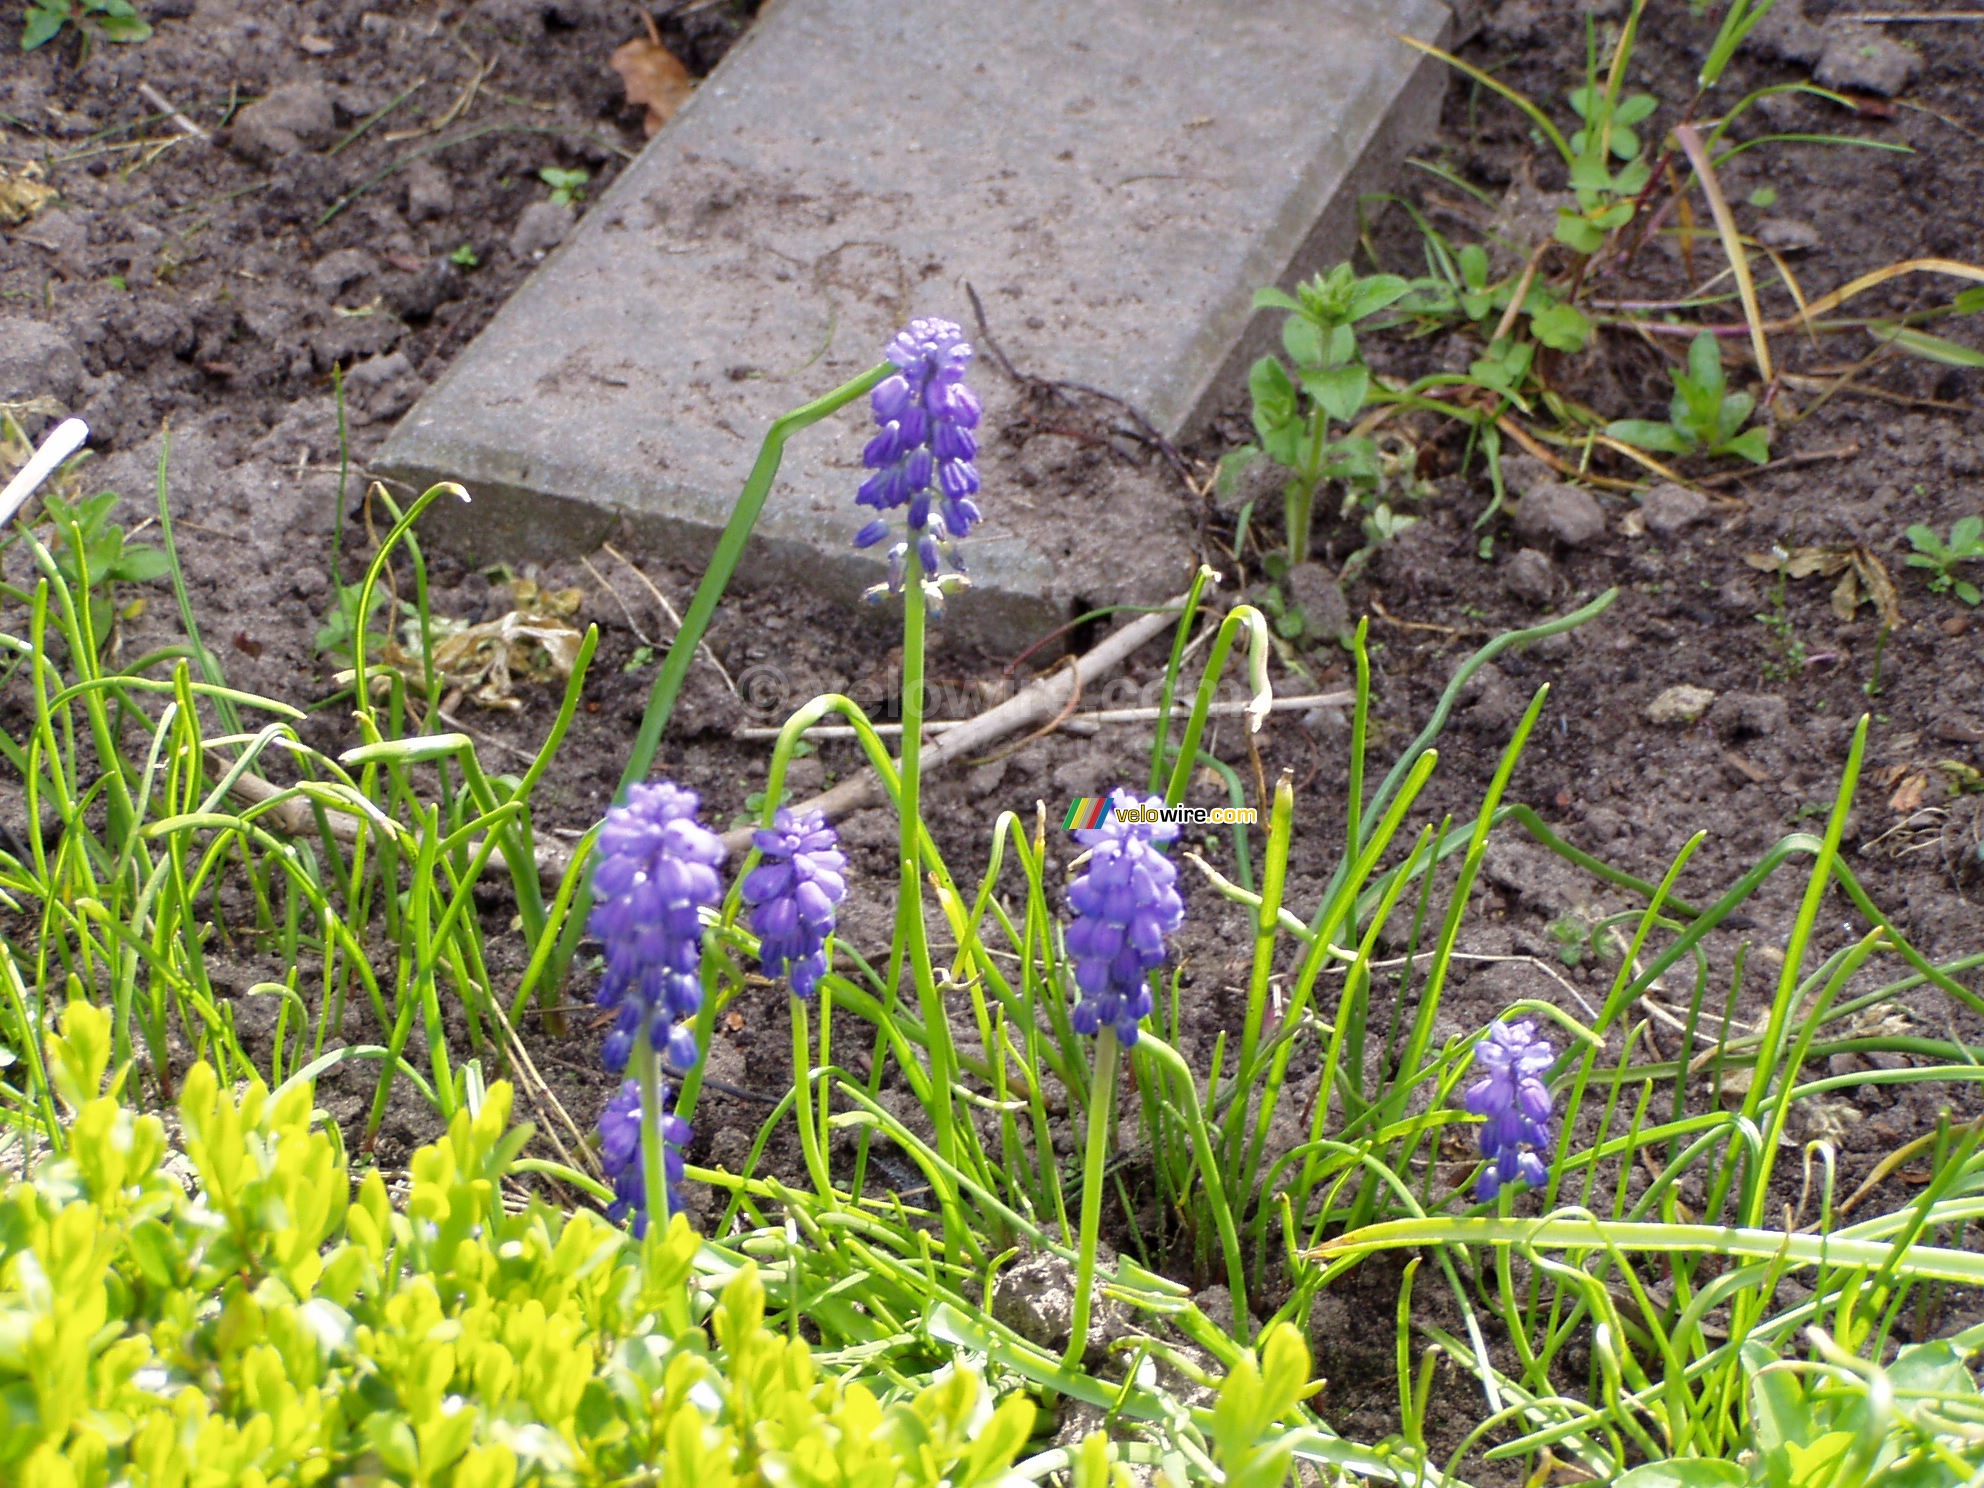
pixel 1788 234
pixel 1556 511
pixel 1679 705
pixel 1531 576
pixel 1315 590
pixel 1669 508
pixel 297 116
pixel 428 193
pixel 1750 714
pixel 1858 59
pixel 1785 33
pixel 36 361
pixel 541 228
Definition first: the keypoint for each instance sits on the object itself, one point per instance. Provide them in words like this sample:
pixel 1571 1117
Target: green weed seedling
pixel 1293 414
pixel 567 186
pixel 1704 416
pixel 1965 545
pixel 1605 194
pixel 112 20
pixel 93 555
pixel 1842 1420
pixel 341 622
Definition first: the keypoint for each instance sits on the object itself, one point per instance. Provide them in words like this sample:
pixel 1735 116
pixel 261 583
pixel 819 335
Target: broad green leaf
pixel 1374 293
pixel 41 25
pixel 1474 266
pixel 1683 1472
pixel 1275 299
pixel 1302 340
pixel 1705 364
pixel 1645 434
pixel 140 565
pixel 1227 476
pixel 1633 109
pixel 1965 535
pixel 1733 414
pixel 1752 445
pixel 1339 390
pixel 1561 327
pixel 1576 233
pixel 124 28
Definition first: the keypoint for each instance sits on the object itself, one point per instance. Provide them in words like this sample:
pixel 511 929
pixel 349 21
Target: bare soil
pixel 372 219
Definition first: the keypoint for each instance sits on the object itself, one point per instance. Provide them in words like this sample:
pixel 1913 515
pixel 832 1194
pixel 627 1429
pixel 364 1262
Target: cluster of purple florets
pixel 1511 1094
pixel 656 878
pixel 620 1156
pixel 922 456
pixel 1125 903
pixel 794 893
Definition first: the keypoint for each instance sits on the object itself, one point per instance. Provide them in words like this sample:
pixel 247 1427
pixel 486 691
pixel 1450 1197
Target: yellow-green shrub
pixel 274 1329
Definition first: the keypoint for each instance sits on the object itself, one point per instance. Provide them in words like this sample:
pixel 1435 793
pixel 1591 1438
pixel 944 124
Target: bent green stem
pixel 1101 1106
pixel 689 636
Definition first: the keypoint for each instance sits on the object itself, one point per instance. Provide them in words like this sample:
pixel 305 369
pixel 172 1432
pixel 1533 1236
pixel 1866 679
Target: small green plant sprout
pixel 1605 196
pixel 1965 545
pixel 112 20
pixel 1704 416
pixel 465 257
pixel 93 555
pixel 567 186
pixel 1293 414
pixel 1574 939
pixel 341 622
pixel 1841 1419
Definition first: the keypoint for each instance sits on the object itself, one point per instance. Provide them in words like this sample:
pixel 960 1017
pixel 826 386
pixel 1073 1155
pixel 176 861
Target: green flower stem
pixel 1101 1108
pixel 803 1108
pixel 1257 671
pixel 689 637
pixel 1222 1211
pixel 1267 923
pixel 654 1175
pixel 911 932
pixel 1185 618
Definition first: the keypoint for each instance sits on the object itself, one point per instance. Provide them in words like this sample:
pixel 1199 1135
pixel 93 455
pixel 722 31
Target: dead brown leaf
pixel 1862 577
pixel 22 194
pixel 651 76
pixel 1908 795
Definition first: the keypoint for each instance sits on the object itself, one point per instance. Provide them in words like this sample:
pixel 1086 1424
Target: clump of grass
pixel 1624 1287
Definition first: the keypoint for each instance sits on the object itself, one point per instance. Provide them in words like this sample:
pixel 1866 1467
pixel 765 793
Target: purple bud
pixel 794 894
pixel 1125 903
pixel 924 446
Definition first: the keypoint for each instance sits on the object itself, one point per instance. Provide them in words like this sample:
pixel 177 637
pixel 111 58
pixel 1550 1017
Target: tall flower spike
pixel 1512 1096
pixel 793 894
pixel 620 1155
pixel 923 455
pixel 1125 903
pixel 657 872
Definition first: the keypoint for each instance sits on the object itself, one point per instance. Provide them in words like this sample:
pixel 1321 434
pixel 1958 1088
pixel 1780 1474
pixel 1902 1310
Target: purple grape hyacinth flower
pixel 923 455
pixel 1512 1096
pixel 620 1156
pixel 657 872
pixel 793 894
pixel 1125 903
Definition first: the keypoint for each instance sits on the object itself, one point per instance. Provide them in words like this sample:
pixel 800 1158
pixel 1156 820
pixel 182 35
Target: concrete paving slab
pixel 1114 177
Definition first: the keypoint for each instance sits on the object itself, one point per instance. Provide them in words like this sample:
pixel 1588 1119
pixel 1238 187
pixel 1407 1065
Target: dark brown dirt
pixel 212 287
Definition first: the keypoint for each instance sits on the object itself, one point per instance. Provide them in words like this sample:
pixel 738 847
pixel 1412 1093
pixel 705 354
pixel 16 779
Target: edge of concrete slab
pixel 530 505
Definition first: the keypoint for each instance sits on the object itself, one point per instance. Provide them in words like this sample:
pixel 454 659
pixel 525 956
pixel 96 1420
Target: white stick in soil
pixel 57 447
pixel 1034 705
